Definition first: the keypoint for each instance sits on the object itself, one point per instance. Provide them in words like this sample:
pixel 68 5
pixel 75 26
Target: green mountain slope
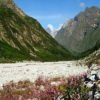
pixel 23 38
pixel 92 58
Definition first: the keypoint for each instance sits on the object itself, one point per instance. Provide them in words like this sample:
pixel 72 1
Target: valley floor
pixel 33 70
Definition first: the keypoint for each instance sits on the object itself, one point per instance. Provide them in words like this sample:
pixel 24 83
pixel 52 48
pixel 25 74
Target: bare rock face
pixel 81 33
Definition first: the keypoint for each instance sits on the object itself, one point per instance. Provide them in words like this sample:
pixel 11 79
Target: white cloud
pixel 82 4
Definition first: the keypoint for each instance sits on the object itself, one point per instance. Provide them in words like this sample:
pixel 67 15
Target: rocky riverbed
pixel 32 70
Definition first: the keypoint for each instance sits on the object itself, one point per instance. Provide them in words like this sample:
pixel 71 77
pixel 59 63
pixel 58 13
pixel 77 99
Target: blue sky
pixel 54 12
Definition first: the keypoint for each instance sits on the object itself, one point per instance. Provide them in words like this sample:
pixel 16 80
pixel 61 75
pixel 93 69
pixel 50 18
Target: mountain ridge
pixel 23 38
pixel 11 4
pixel 82 32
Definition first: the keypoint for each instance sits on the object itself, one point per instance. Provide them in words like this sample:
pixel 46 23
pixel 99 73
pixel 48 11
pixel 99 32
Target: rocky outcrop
pixel 92 58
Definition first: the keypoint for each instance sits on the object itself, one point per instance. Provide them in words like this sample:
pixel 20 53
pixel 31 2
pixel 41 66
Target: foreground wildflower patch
pixel 46 89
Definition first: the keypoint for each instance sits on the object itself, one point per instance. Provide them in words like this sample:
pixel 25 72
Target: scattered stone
pixel 92 81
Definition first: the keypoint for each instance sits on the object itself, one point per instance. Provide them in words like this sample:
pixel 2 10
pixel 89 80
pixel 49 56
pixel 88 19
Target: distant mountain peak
pixel 92 11
pixel 53 31
pixel 92 8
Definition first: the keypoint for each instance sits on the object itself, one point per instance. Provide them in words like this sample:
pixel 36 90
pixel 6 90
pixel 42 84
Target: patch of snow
pixel 53 31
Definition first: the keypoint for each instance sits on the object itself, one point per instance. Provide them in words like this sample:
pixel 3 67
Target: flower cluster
pixel 45 89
